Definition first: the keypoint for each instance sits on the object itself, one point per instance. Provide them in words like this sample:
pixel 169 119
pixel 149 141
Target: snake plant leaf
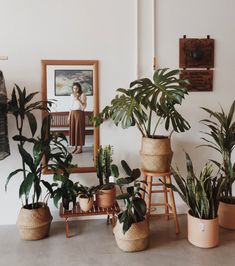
pixel 114 170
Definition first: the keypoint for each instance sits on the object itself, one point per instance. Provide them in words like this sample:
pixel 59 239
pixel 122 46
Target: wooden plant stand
pixel 77 212
pixel 170 209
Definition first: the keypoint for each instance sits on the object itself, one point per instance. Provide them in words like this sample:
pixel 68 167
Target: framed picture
pixel 61 74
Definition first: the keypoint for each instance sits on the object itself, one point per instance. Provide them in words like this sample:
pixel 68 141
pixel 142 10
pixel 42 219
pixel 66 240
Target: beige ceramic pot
pixel 135 239
pixel 106 198
pixel 156 154
pixel 203 233
pixel 34 224
pixel 226 214
pixel 86 204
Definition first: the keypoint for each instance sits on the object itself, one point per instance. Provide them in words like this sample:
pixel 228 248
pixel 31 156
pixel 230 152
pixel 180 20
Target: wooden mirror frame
pixel 94 64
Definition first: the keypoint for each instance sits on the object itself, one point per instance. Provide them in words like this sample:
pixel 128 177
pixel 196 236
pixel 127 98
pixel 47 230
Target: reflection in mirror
pixel 74 86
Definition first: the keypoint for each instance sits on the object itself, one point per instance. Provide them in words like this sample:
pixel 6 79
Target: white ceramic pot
pixel 86 204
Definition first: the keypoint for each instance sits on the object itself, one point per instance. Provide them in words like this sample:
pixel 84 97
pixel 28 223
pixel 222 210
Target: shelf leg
pixel 67 227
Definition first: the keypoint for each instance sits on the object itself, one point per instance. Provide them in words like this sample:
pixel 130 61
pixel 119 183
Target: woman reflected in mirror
pixel 77 118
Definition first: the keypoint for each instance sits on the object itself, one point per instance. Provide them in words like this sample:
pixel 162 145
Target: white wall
pixel 106 30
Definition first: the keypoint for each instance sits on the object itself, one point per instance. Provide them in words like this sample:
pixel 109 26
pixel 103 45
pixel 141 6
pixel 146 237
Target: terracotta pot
pixel 86 204
pixel 135 239
pixel 226 214
pixel 34 224
pixel 203 233
pixel 156 154
pixel 106 198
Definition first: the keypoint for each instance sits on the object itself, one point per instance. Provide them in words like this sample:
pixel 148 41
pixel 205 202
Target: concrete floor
pixel 92 243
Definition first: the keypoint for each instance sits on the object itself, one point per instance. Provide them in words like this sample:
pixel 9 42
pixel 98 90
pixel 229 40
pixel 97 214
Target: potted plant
pixel 222 139
pixel 147 104
pixel 106 194
pixel 132 229
pixel 34 218
pixel 61 164
pixel 86 197
pixel 201 194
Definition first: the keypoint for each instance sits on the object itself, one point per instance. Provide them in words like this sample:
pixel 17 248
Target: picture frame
pixel 61 74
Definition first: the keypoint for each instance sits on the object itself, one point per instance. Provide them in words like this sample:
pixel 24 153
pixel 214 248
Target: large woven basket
pixel 34 224
pixel 156 154
pixel 135 239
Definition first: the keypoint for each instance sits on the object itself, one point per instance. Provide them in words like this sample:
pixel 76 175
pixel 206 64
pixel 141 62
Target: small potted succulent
pixel 221 138
pixel 147 104
pixel 132 229
pixel 86 197
pixel 106 194
pixel 202 195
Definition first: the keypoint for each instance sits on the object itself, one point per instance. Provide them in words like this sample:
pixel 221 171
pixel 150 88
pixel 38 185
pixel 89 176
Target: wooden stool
pixel 165 178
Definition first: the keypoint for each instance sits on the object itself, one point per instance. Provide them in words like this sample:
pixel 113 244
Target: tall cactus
pixel 104 164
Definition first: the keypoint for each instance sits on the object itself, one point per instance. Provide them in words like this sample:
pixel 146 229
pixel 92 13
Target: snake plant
pixel 221 137
pixel 201 194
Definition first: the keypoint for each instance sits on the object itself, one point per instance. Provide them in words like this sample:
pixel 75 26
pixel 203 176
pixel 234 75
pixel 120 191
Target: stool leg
pixel 177 229
pixel 165 199
pixel 149 190
pixel 144 186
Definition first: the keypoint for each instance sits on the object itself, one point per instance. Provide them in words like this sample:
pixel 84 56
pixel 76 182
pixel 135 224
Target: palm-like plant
pixel 201 194
pixel 222 139
pixel 146 104
pixel 22 106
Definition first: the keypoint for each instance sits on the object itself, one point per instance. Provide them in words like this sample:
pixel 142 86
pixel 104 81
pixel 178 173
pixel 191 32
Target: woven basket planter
pixel 34 224
pixel 135 239
pixel 156 154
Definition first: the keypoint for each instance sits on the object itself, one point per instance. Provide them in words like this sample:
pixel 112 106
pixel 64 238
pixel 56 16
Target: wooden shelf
pixel 77 212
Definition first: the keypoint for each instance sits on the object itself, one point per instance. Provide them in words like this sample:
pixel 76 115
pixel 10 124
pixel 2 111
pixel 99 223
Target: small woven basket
pixel 135 239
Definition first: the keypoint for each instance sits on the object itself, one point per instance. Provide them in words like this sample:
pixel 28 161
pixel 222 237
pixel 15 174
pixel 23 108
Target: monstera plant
pixel 147 104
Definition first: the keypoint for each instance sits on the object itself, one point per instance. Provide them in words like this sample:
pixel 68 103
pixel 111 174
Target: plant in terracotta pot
pixel 201 194
pixel 106 195
pixel 131 230
pixel 147 104
pixel 34 218
pixel 86 197
pixel 221 138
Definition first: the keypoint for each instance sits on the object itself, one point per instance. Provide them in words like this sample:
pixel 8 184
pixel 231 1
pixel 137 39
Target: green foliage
pixel 33 166
pixel 104 166
pixel 86 192
pixel 22 106
pixel 66 190
pixel 202 193
pixel 221 137
pixel 147 100
pixel 135 207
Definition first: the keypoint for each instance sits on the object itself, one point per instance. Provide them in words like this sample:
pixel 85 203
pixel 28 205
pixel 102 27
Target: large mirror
pixel 73 84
